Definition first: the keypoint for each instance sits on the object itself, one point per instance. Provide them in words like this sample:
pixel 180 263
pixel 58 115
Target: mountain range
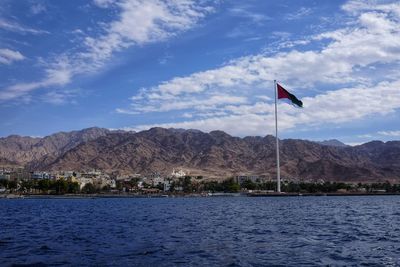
pixel 214 155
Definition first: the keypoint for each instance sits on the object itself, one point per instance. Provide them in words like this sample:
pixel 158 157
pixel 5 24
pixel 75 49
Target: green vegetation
pixel 47 186
pixel 227 186
pixel 291 187
pixel 190 184
pixel 11 185
pixel 89 189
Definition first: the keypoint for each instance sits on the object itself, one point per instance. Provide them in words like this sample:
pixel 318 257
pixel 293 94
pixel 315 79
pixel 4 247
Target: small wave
pixel 35 264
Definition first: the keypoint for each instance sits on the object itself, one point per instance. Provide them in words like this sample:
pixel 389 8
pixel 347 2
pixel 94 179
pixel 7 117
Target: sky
pixel 207 65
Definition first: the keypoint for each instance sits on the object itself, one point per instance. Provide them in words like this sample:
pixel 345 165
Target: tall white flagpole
pixel 278 171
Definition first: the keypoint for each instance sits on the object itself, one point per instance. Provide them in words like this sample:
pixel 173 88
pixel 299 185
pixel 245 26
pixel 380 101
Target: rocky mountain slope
pixel 214 154
pixel 22 150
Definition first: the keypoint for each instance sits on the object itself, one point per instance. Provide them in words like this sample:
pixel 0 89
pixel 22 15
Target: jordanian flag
pixel 283 93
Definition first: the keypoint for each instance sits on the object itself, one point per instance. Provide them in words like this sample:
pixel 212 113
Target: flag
pixel 283 93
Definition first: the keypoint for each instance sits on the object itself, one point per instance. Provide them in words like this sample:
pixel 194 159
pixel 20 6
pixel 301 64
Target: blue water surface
pixel 234 231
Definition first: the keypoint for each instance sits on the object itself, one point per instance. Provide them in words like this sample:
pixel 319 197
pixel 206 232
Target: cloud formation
pixel 332 107
pixel 8 56
pixel 141 22
pixel 16 27
pixel 390 133
pixel 372 37
pixel 138 22
pixel 58 74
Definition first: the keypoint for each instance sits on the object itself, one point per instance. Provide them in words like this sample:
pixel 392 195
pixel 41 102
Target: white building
pixel 178 174
pixel 40 175
pixel 157 180
pixel 82 181
pixel 167 185
pixel 242 178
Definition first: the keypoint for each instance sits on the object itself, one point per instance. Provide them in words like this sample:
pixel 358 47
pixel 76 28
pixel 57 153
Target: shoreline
pixel 318 194
pixel 213 195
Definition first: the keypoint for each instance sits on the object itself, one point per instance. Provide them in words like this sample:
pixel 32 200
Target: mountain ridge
pixel 215 154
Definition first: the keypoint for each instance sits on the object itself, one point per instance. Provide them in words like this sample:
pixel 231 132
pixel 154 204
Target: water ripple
pixel 310 231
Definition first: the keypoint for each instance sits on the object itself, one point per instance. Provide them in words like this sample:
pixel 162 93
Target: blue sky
pixel 136 64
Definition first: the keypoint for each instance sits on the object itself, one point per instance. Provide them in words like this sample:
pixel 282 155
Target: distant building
pixel 153 175
pixel 242 178
pixel 40 175
pixel 112 183
pixel 178 174
pixel 167 185
pixel 379 191
pixel 14 174
pixel 5 175
pixel 178 188
pixel 82 181
pixel 156 181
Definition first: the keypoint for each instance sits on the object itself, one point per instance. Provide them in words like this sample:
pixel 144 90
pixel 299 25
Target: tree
pixel 187 184
pixel 73 187
pixel 44 185
pixel 160 186
pixel 387 186
pixel 212 186
pixel 106 188
pixel 229 185
pixel 27 185
pixel 89 189
pixel 172 186
pixel 12 185
pixel 248 184
pixel 61 186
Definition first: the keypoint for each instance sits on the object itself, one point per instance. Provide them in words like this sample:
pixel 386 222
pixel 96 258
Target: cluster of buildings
pixel 97 178
pixel 13 174
pixel 126 183
pixel 151 180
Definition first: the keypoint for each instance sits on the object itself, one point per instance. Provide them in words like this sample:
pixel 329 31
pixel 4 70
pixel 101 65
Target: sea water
pixel 232 231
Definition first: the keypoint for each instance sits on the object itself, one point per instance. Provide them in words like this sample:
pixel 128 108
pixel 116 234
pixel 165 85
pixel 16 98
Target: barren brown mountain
pixel 21 150
pixel 214 154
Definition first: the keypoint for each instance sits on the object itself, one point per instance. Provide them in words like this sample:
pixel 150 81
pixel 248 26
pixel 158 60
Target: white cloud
pixel 359 6
pixel 299 14
pixel 62 97
pixel 205 103
pixel 390 133
pixel 58 74
pixel 332 107
pixel 349 104
pixel 138 22
pixel 245 12
pixel 354 143
pixel 237 125
pixel 15 27
pixel 8 56
pixel 365 136
pixel 374 37
pixel 104 3
pixel 249 20
pixel 141 22
pixel 38 8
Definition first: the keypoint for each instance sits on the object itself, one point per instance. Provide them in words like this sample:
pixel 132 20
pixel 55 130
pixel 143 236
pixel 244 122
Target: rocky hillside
pixel 23 150
pixel 214 154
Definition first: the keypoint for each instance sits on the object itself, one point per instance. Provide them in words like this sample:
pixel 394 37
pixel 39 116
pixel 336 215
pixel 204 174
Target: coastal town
pixel 19 181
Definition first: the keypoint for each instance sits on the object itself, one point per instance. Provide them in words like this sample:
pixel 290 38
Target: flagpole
pixel 278 172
